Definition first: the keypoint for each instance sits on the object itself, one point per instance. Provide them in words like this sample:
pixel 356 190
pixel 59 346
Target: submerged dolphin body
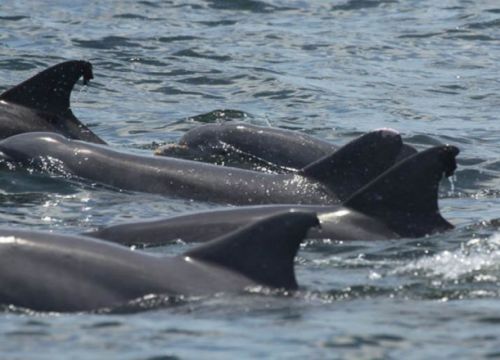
pixel 262 146
pixel 49 272
pixel 42 103
pixel 402 202
pixel 327 181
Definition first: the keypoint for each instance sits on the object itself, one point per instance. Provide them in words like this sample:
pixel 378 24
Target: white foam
pixel 474 256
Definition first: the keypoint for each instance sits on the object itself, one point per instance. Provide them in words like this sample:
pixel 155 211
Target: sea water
pixel 332 69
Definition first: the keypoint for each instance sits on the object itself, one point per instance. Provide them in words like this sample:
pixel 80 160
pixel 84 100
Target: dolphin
pixel 402 202
pixel 52 272
pixel 255 147
pixel 327 181
pixel 42 103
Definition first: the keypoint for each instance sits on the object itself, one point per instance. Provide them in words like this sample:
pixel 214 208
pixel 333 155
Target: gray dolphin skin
pixel 327 181
pixel 266 146
pixel 42 103
pixel 402 202
pixel 50 272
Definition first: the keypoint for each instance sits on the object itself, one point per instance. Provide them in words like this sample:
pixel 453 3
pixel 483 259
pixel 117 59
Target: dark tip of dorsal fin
pixel 263 251
pixel 406 196
pixel 50 90
pixel 357 163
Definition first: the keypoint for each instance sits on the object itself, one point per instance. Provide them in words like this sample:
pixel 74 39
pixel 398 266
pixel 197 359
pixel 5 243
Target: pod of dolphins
pixel 374 187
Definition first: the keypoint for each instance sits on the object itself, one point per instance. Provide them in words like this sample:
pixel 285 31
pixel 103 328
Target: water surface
pixel 330 69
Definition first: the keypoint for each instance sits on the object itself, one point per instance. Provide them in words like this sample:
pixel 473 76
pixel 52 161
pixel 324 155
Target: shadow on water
pixel 244 5
pixel 352 5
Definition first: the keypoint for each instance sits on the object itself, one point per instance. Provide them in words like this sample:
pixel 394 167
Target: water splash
pixel 452 179
pixel 479 258
pixel 267 121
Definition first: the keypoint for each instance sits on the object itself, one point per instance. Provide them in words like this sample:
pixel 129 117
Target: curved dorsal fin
pixel 406 196
pixel 50 89
pixel 357 163
pixel 263 251
pixel 49 93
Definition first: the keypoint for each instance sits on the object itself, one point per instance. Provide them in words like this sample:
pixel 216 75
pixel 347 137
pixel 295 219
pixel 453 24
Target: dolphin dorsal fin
pixel 50 89
pixel 263 251
pixel 354 165
pixel 406 196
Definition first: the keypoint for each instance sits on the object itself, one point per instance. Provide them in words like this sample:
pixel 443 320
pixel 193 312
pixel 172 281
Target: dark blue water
pixel 331 69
